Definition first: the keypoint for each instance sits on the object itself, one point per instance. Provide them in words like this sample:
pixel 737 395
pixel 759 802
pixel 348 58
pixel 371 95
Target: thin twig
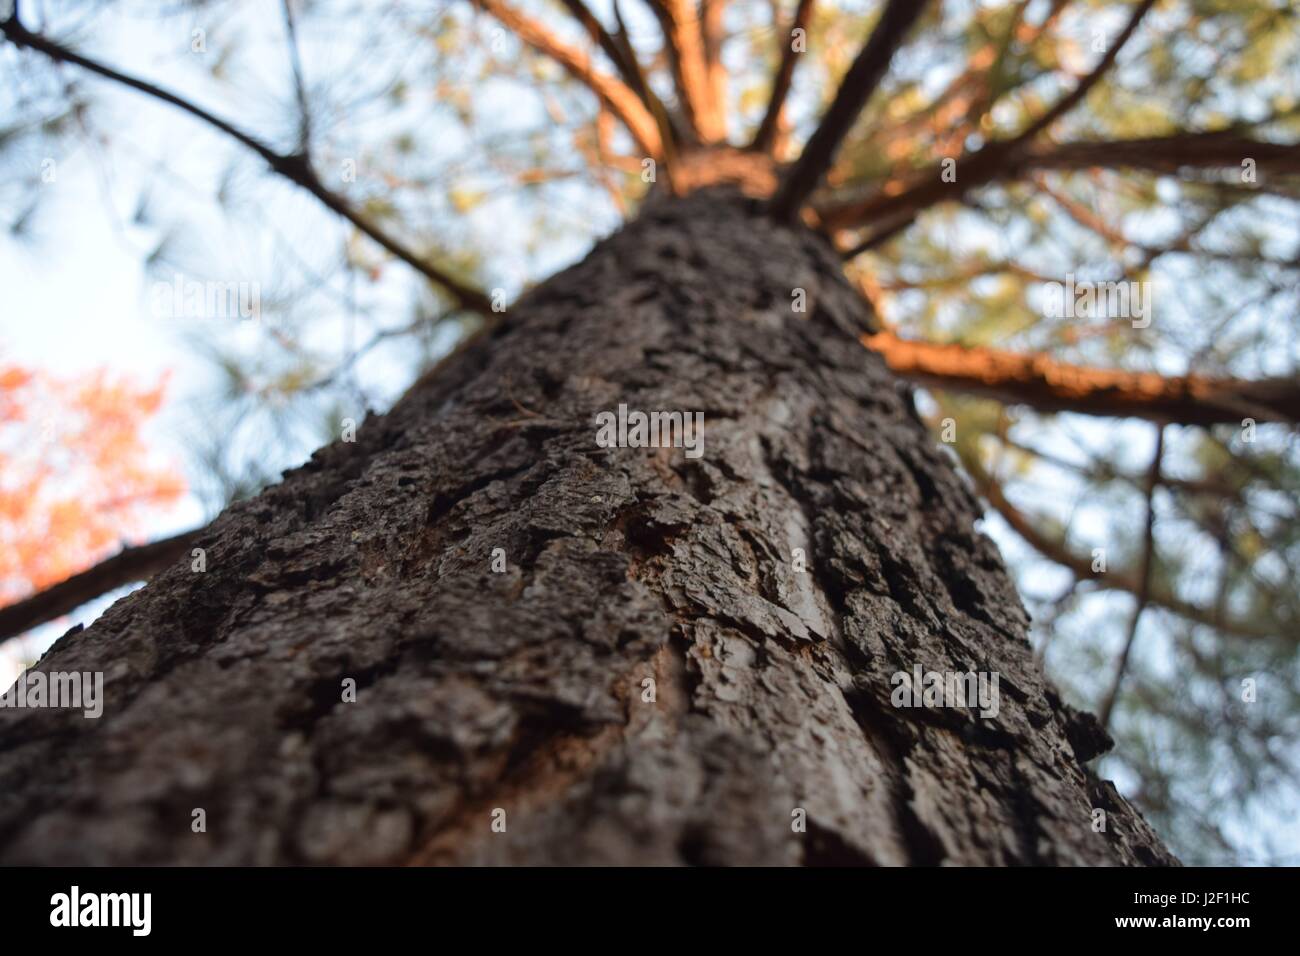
pixel 1144 580
pixel 765 138
pixel 299 85
pixel 293 166
pixel 1075 96
pixel 1058 552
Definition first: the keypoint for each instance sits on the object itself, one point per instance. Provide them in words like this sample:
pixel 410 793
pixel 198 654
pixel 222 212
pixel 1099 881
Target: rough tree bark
pixel 523 690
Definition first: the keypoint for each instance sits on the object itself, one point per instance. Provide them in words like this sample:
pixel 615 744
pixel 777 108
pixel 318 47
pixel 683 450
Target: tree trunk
pixel 523 698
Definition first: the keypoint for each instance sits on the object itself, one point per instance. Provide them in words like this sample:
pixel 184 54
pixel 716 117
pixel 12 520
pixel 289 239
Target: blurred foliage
pixel 76 475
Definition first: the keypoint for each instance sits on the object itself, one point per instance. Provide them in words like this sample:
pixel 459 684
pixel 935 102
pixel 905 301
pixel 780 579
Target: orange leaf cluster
pixel 76 477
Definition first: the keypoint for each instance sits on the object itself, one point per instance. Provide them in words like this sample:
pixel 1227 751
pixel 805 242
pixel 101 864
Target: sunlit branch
pixel 712 15
pixel 684 43
pixel 1084 215
pixel 1049 385
pixel 618 48
pixel 624 102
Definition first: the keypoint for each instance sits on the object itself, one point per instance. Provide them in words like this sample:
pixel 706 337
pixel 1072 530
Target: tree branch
pixel 1182 244
pixel 620 52
pixel 957 112
pixel 991 154
pixel 1176 153
pixel 129 564
pixel 859 83
pixel 1049 385
pixel 1102 472
pixel 622 101
pixel 684 42
pixel 1225 149
pixel 670 135
pixel 712 14
pixel 878 238
pixel 293 167
pixel 765 139
pixel 965 274
pixel 603 39
pixel 1075 96
pixel 1144 580
pixel 299 83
